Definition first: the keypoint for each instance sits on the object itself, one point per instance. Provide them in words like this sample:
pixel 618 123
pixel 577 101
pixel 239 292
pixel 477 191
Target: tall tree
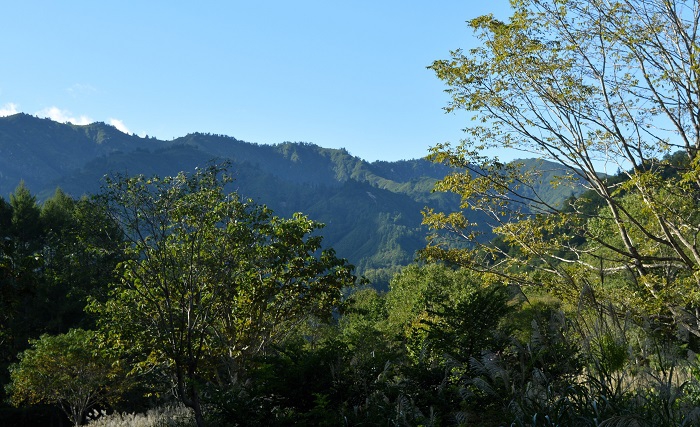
pixel 20 261
pixel 590 84
pixel 80 251
pixel 7 294
pixel 26 227
pixel 212 279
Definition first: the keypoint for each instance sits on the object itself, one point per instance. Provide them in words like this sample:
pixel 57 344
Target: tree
pixel 25 218
pixel 52 256
pixel 589 84
pixel 444 317
pixel 20 231
pixel 71 370
pixel 81 249
pixel 212 279
pixel 7 293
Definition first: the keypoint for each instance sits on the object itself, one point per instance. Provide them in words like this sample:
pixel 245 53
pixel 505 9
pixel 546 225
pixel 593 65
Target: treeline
pixel 172 296
pixel 53 257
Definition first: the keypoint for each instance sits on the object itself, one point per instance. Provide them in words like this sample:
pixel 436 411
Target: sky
pixel 346 74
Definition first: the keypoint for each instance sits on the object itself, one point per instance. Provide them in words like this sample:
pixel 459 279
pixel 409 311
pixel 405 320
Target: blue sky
pixel 336 74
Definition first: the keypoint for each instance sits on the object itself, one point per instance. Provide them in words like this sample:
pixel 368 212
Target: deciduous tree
pixel 596 86
pixel 71 370
pixel 212 279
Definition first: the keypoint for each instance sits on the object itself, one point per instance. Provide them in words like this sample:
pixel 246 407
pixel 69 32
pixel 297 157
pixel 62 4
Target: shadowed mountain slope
pixel 371 210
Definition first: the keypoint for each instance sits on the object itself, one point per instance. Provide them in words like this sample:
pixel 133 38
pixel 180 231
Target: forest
pixel 175 300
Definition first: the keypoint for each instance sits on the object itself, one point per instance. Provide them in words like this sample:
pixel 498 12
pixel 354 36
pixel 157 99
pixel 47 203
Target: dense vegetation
pixel 443 346
pixel 177 296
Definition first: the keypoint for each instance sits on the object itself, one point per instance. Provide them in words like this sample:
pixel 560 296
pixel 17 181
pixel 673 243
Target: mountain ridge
pixel 372 211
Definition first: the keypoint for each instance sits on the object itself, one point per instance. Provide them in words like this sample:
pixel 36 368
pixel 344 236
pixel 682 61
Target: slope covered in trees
pixel 371 210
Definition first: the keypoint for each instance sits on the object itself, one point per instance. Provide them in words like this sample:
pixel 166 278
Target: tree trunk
pixel 188 395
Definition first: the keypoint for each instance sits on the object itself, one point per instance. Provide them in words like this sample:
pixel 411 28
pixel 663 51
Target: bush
pixel 162 416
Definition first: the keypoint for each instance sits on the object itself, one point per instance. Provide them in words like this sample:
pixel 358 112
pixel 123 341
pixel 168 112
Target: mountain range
pixel 372 211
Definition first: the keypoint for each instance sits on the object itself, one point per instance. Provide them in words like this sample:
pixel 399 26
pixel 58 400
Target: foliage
pixel 211 280
pixel 52 257
pixel 72 370
pixel 587 84
pixel 583 369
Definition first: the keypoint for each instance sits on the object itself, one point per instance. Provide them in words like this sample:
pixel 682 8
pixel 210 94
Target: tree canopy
pixel 212 279
pixel 591 85
pixel 72 370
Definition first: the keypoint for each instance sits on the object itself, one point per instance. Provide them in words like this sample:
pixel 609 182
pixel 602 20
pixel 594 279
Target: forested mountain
pixel 372 211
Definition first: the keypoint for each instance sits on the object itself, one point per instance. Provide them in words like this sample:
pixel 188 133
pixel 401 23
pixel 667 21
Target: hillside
pixel 371 210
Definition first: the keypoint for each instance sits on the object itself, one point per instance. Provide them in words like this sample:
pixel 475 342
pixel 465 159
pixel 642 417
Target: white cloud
pixel 119 125
pixel 8 109
pixel 63 116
